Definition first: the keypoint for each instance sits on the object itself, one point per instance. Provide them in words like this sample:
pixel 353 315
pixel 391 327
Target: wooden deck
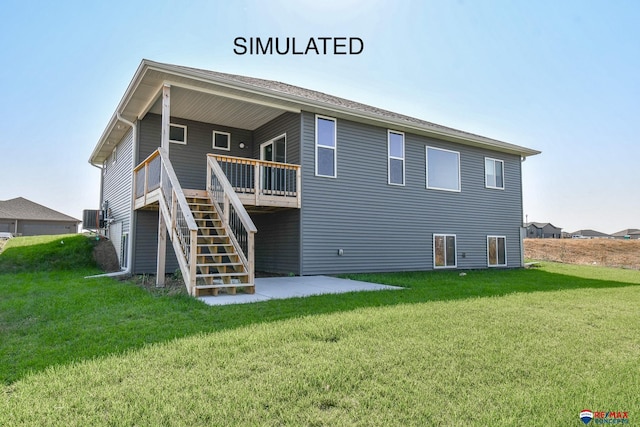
pixel 278 184
pixel 210 230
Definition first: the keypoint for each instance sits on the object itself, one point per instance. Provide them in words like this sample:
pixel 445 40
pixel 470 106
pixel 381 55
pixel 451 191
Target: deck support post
pixel 162 249
pixel 166 116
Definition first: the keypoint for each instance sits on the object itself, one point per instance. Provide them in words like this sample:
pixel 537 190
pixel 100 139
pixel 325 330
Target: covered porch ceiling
pixel 190 99
pixel 205 107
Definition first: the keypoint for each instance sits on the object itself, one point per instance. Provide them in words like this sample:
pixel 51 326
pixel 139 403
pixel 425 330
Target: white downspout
pixel 127 270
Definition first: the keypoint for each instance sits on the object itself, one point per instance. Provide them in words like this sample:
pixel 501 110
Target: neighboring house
pixel 22 217
pixel 543 230
pixel 589 234
pixel 629 233
pixel 249 174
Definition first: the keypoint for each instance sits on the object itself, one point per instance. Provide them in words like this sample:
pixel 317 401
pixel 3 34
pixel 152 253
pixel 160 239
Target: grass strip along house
pixel 237 174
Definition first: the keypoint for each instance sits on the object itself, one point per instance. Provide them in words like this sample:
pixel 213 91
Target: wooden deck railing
pixel 155 179
pixel 147 178
pixel 260 182
pixel 238 224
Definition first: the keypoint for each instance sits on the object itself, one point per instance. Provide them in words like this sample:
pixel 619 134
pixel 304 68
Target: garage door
pixel 37 229
pixel 5 227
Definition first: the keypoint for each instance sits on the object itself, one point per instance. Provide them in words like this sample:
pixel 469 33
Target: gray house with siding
pixel 22 217
pixel 543 230
pixel 239 174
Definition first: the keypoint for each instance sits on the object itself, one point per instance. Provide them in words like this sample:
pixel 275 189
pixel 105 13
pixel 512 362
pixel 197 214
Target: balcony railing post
pixel 251 255
pixel 257 182
pixel 146 181
pixel 193 254
pixel 299 187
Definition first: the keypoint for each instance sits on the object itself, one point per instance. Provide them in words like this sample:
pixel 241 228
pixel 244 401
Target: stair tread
pixel 218 264
pixel 225 285
pixel 221 274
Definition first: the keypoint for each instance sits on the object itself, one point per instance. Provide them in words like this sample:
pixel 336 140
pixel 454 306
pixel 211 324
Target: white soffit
pixel 208 108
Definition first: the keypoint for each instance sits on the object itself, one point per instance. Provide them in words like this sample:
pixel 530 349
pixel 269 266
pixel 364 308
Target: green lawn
pixel 517 347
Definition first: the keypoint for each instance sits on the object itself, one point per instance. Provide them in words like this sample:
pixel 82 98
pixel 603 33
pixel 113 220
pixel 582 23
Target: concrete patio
pixel 295 287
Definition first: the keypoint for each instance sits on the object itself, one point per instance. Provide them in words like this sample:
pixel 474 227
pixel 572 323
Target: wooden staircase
pixel 218 264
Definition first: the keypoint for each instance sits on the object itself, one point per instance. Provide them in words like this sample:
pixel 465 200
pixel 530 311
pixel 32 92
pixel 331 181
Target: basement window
pixel 178 134
pixel 221 140
pixel 444 251
pixel 497 251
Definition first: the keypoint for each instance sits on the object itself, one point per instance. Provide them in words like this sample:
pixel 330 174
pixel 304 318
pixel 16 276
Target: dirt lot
pixel 606 252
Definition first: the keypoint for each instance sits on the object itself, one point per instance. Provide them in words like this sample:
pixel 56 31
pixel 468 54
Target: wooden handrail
pixel 231 194
pixel 146 161
pixel 254 162
pixel 175 184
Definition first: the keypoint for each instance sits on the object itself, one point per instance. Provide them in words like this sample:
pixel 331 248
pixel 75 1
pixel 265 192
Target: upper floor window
pixel 177 133
pixel 443 169
pixel 493 173
pixel 396 157
pixel 114 155
pixel 221 140
pixel 326 144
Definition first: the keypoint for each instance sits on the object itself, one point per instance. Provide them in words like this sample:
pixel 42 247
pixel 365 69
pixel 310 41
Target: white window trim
pixel 335 149
pixel 173 141
pixel 390 157
pixel 114 155
pixel 455 263
pixel 505 252
pixel 486 184
pixel 213 140
pixel 124 249
pixel 426 153
pixel 272 140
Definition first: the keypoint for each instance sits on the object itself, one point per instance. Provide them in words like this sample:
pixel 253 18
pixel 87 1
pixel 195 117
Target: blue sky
pixel 560 77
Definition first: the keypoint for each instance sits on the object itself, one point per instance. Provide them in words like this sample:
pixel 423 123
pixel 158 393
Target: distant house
pixel 589 234
pixel 543 230
pixel 629 233
pixel 23 217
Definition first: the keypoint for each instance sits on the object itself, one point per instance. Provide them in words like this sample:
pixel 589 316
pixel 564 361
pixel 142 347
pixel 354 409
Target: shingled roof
pixel 23 209
pixel 272 96
pixel 627 232
pixel 330 100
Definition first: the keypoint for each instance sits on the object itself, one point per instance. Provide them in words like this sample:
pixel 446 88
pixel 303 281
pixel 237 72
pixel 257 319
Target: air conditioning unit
pixel 93 219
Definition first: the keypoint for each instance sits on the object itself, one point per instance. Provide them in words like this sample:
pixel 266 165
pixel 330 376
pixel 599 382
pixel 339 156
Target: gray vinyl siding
pixel 278 237
pixel 190 160
pixel 117 181
pixel 278 242
pixel 383 227
pixel 287 123
pixel 145 251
